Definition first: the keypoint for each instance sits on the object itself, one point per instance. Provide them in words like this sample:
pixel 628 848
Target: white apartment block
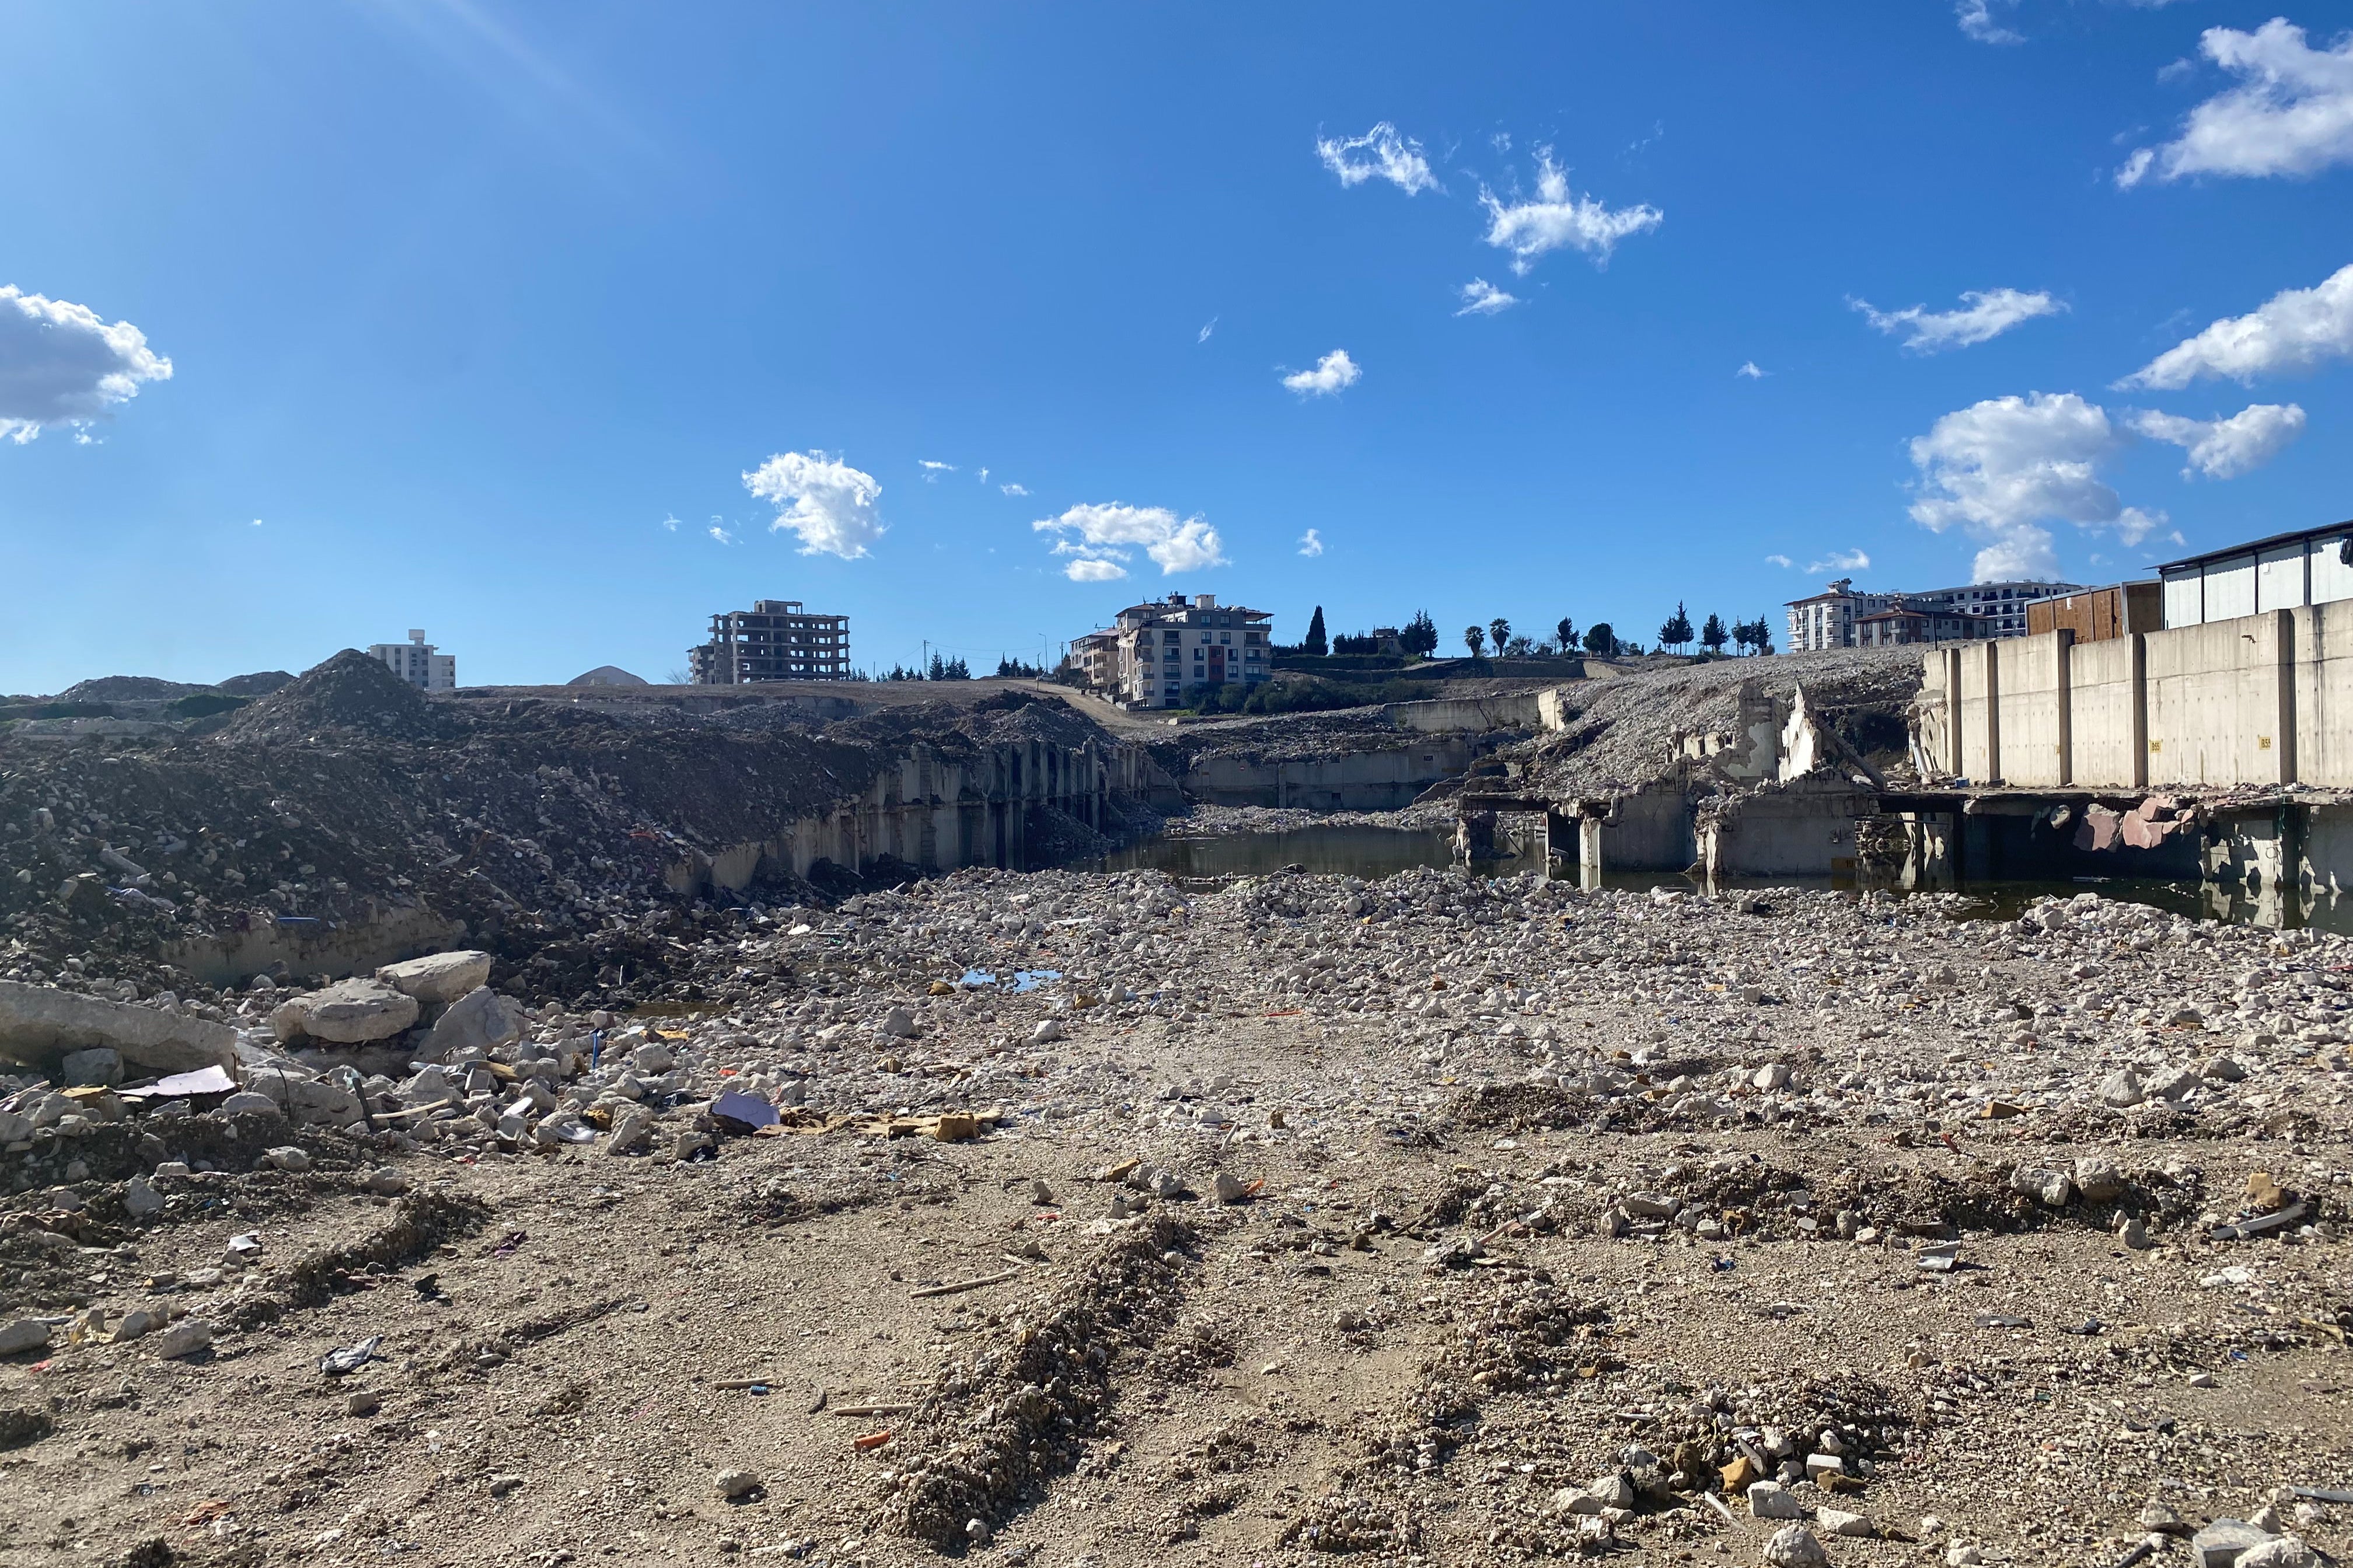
pixel 416 662
pixel 1156 655
pixel 1828 619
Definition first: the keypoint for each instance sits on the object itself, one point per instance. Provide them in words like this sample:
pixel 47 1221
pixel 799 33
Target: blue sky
pixel 482 316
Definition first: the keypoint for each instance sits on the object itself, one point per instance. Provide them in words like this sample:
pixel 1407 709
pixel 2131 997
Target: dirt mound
pixel 1619 734
pixel 260 683
pixel 127 689
pixel 350 693
pixel 1002 1424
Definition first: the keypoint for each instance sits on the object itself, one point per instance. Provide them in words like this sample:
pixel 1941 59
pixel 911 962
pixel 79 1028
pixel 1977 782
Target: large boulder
pixel 439 977
pixel 311 1101
pixel 481 1020
pixel 39 1025
pixel 347 1012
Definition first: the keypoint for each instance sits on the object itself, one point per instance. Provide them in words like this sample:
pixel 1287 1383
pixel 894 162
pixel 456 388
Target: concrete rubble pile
pixel 1579 1130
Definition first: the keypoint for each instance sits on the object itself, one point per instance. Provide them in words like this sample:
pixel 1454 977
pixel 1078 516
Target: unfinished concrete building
pixel 776 639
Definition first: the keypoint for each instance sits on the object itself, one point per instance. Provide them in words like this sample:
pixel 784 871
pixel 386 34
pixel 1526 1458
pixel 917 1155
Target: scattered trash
pixel 185 1085
pixel 351 1358
pixel 958 1287
pixel 747 1110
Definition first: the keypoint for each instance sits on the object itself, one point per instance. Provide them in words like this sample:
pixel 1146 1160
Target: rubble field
pixel 1068 1218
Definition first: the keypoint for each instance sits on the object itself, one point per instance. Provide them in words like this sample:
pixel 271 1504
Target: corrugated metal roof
pixel 2254 545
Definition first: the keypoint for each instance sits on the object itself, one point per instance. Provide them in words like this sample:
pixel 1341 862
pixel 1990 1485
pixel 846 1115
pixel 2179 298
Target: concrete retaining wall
pixel 2261 698
pixel 308 948
pixel 1515 710
pixel 2104 687
pixel 936 814
pixel 1361 781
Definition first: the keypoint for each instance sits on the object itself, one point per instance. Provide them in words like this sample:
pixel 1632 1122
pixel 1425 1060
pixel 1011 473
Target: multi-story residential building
pixel 417 663
pixel 1095 657
pixel 1830 618
pixel 772 640
pixel 1902 622
pixel 1160 653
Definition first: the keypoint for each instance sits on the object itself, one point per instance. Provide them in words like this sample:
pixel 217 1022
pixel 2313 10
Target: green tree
pixel 1315 644
pixel 1712 635
pixel 1677 631
pixel 1475 639
pixel 1419 637
pixel 1499 631
pixel 1600 640
pixel 1566 629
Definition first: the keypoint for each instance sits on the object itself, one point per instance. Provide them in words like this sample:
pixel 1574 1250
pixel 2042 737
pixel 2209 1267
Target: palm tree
pixel 1475 639
pixel 1499 630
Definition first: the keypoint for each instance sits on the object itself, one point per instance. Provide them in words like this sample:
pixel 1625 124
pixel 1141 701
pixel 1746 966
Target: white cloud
pixel 1750 371
pixel 1015 489
pixel 1332 372
pixel 1100 537
pixel 2225 448
pixel 1480 298
pixel 2002 469
pixel 2292 113
pixel 2296 329
pixel 720 534
pixel 1781 561
pixel 1976 17
pixel 1559 217
pixel 671 523
pixel 61 364
pixel 1311 543
pixel 824 500
pixel 983 473
pixel 1840 561
pixel 1379 152
pixel 931 470
pixel 1982 315
pixel 1206 327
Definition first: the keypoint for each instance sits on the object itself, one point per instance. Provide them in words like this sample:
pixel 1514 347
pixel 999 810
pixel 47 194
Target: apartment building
pixel 1160 653
pixel 1833 618
pixel 776 639
pixel 417 662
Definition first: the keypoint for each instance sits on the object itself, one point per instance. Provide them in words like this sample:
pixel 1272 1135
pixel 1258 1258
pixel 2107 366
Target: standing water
pixel 1359 850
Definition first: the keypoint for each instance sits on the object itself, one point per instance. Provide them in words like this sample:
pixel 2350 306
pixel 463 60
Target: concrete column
pixel 1992 656
pixel 2284 678
pixel 2062 655
pixel 1588 854
pixel 1558 832
pixel 1953 764
pixel 2139 709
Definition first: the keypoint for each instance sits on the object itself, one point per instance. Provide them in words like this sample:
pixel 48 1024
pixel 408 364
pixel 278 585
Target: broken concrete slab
pixel 481 1020
pixel 349 1012
pixel 40 1024
pixel 439 977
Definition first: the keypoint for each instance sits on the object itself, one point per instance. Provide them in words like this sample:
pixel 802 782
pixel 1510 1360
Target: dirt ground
pixel 1411 1335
